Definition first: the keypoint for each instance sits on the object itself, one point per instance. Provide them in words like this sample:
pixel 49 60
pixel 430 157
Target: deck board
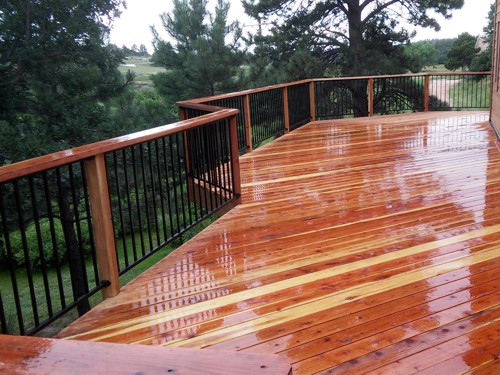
pixel 362 245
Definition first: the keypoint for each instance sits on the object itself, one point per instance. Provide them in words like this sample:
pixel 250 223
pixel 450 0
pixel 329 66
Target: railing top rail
pixel 198 106
pixel 243 93
pixel 57 159
pixel 400 76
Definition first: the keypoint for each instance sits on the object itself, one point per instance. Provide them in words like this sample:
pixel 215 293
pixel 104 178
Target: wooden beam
pixel 370 97
pixel 248 123
pixel 235 157
pixel 312 101
pixel 426 92
pixel 95 170
pixel 286 110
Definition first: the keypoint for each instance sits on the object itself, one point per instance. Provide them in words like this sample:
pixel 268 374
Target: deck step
pixel 34 355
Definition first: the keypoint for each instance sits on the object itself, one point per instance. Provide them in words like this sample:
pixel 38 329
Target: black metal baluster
pixel 76 213
pixel 43 263
pixel 88 214
pixel 153 193
pixel 217 163
pixel 3 320
pixel 137 201
pixel 27 260
pixel 197 167
pixel 10 264
pixel 129 206
pixel 174 182
pixel 146 200
pixel 167 180
pixel 181 183
pixel 120 208
pixel 160 188
pixel 50 215
pixel 206 166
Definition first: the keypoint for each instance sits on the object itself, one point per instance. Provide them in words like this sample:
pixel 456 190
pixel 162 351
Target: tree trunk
pixel 76 267
pixel 357 60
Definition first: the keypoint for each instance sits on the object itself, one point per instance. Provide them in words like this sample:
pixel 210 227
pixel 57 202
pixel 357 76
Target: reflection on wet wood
pixel 33 356
pixel 362 245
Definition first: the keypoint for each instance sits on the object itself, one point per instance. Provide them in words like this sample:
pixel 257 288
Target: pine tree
pixel 202 61
pixel 355 37
pixel 56 73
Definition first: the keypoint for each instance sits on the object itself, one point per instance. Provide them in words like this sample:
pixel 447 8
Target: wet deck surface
pixel 361 245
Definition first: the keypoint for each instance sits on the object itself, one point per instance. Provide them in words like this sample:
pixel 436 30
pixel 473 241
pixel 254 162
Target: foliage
pixel 443 46
pixel 200 62
pixel 420 54
pixel 50 256
pixel 353 37
pixel 462 52
pixel 360 37
pixel 135 51
pixel 136 110
pixel 489 29
pixel 56 73
pixel 483 62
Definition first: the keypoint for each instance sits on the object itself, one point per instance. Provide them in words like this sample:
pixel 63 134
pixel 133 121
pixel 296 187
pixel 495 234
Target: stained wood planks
pixel 37 356
pixel 362 245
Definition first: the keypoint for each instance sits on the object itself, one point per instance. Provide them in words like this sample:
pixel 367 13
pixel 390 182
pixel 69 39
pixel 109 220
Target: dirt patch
pixel 441 88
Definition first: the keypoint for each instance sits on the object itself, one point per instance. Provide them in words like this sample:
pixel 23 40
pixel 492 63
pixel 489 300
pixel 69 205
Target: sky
pixel 133 25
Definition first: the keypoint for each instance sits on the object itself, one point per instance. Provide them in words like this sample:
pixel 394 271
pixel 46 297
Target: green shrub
pixel 35 260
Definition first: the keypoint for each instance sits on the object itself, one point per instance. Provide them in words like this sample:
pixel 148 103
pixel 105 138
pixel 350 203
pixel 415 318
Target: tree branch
pixel 379 9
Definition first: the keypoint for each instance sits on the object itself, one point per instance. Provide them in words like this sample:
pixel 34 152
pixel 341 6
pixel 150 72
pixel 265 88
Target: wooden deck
pixel 362 245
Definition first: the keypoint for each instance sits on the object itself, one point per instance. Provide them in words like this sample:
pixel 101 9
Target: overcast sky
pixel 133 25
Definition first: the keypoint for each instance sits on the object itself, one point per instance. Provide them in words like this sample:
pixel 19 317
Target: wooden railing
pixel 269 112
pixel 72 222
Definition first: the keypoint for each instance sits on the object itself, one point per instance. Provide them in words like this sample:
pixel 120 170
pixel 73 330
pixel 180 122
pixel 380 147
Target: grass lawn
pixel 143 69
pixel 472 93
pixel 38 282
pixel 435 69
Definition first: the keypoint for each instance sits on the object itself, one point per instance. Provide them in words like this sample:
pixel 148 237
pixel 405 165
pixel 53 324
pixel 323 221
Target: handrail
pixel 56 159
pixel 245 92
pixel 407 75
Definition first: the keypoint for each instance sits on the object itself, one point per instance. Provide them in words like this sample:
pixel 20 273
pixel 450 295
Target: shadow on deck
pixel 361 245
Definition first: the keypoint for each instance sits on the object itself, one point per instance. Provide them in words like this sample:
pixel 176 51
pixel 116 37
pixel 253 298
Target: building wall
pixel 495 81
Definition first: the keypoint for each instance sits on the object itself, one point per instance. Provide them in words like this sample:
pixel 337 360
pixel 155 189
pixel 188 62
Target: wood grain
pixel 37 356
pixel 360 245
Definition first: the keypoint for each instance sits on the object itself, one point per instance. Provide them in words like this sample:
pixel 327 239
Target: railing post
pixel 286 112
pixel 235 159
pixel 426 92
pixel 100 206
pixel 312 102
pixel 370 97
pixel 182 114
pixel 248 123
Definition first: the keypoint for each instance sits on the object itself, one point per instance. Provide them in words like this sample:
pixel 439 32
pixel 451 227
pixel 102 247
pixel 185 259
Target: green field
pixel 473 94
pixel 435 69
pixel 22 280
pixel 143 69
